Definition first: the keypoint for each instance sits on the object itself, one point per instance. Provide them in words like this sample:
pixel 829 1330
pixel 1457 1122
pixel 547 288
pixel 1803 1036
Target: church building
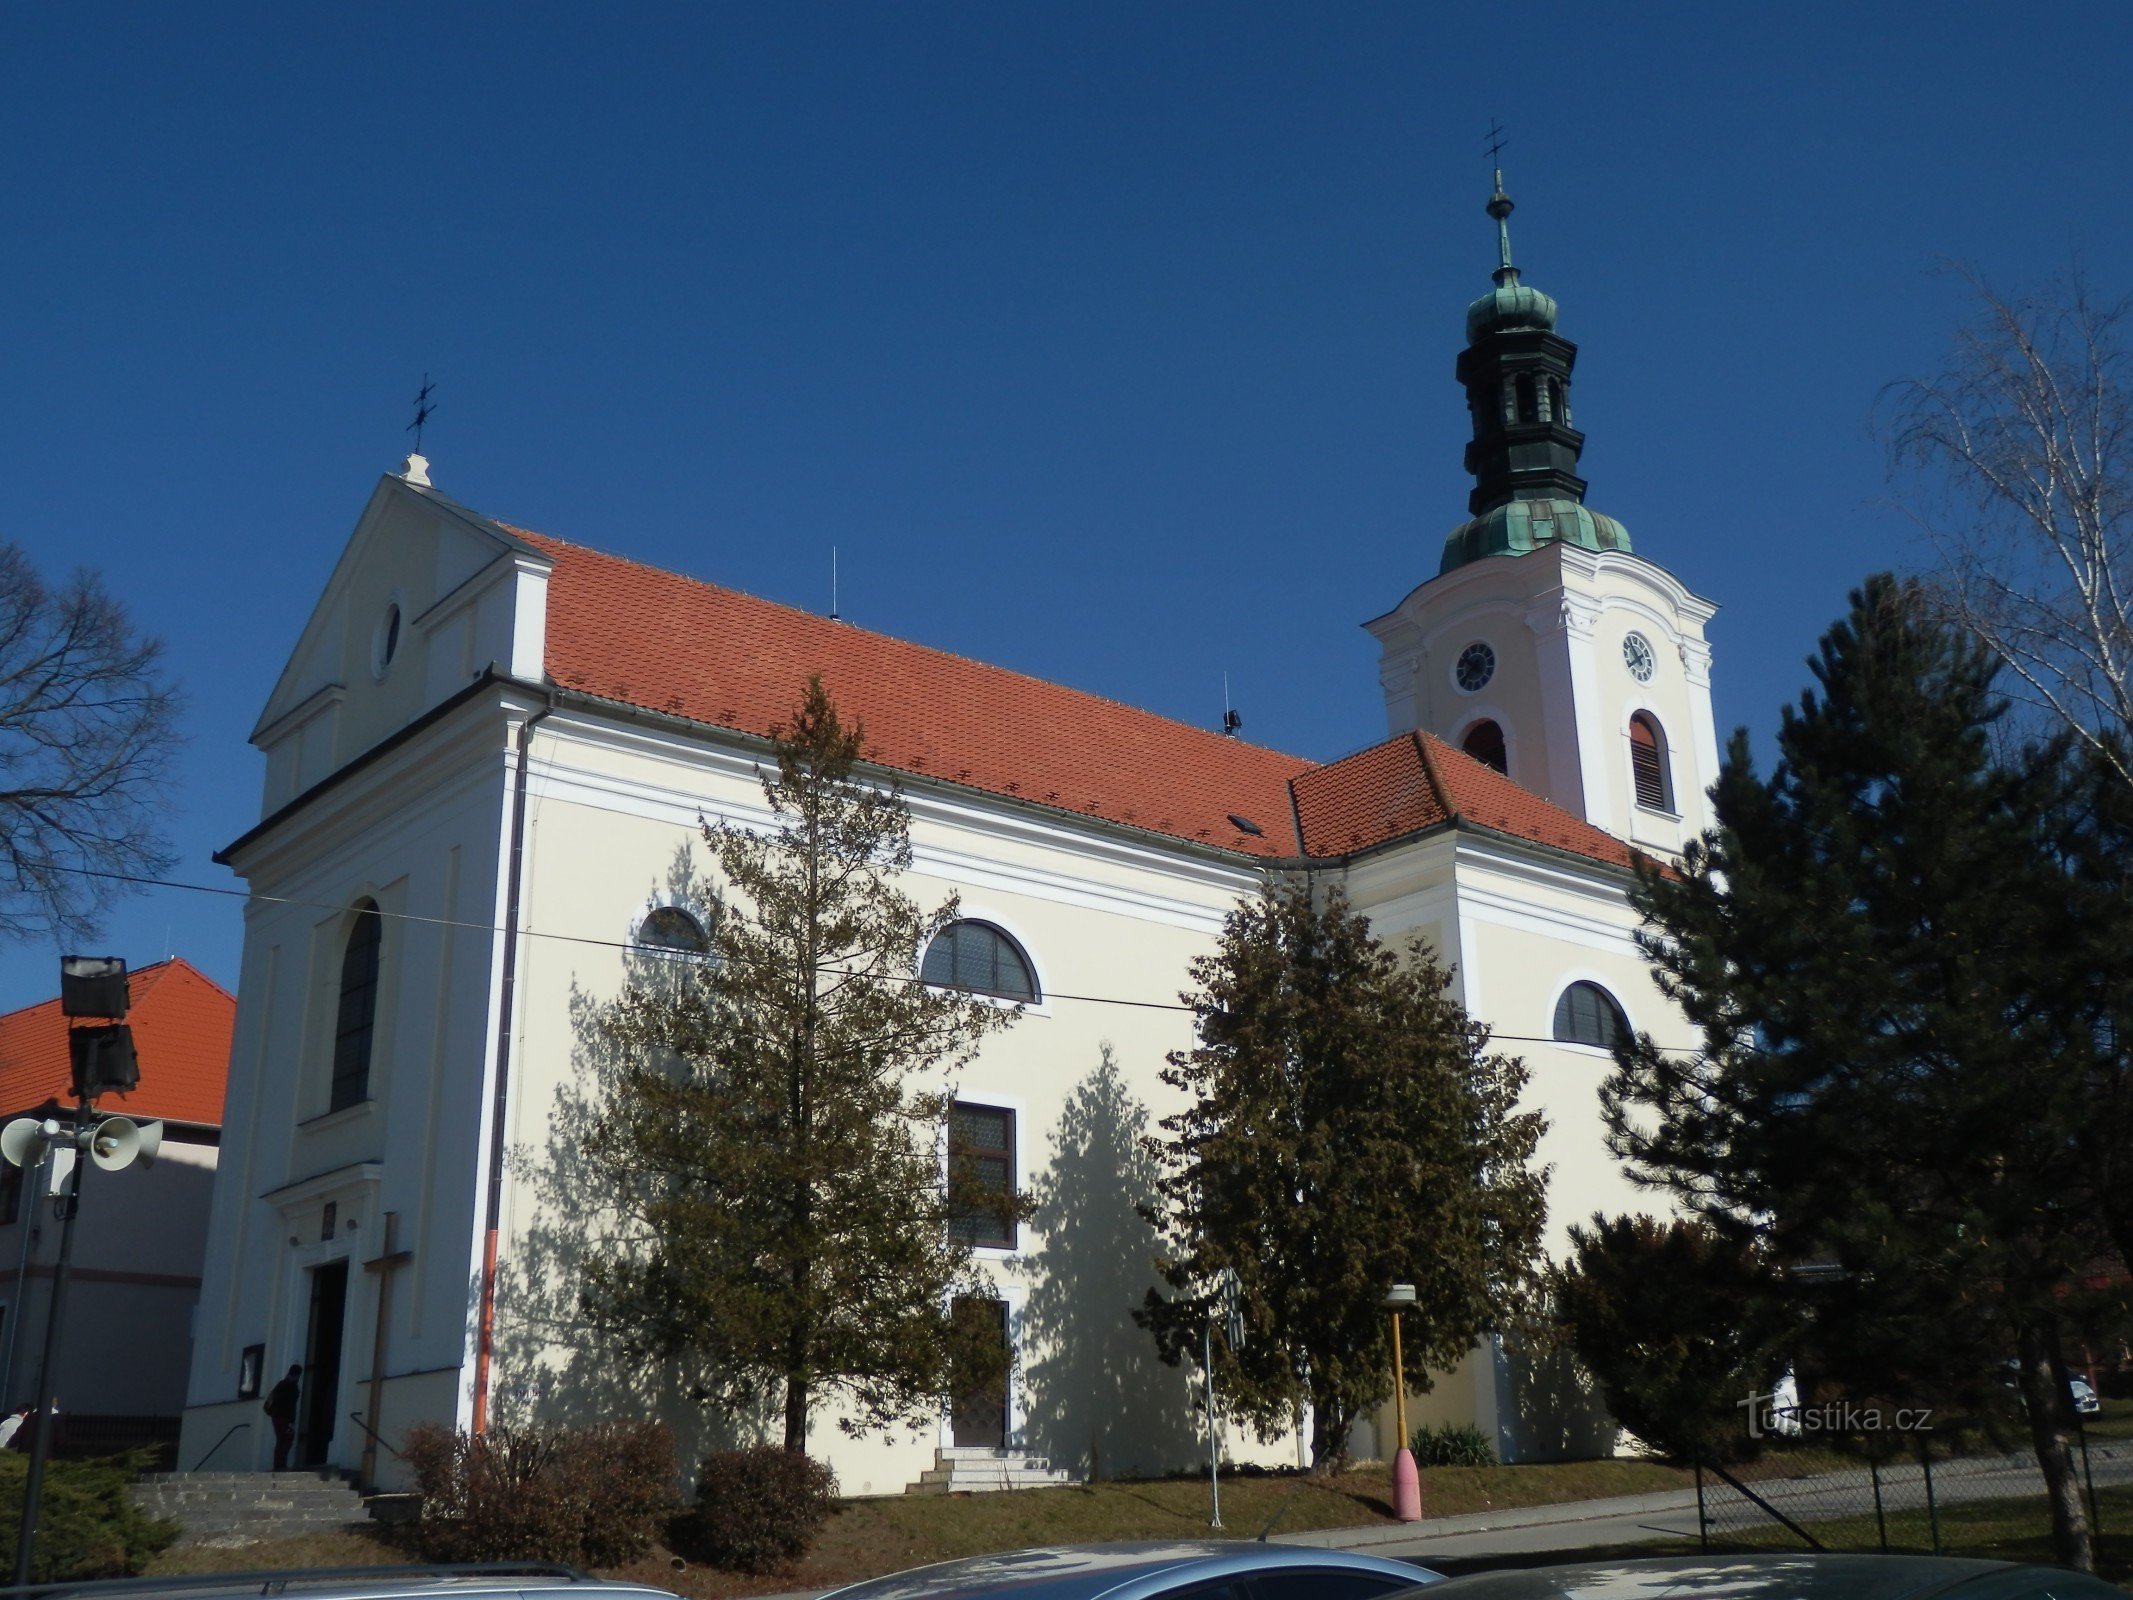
pixel 486 761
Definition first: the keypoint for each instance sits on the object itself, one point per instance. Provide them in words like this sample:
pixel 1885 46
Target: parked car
pixel 1213 1569
pixel 495 1580
pixel 1782 1577
pixel 2085 1402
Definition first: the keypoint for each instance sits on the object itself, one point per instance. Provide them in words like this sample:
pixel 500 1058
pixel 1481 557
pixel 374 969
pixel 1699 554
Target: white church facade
pixel 487 761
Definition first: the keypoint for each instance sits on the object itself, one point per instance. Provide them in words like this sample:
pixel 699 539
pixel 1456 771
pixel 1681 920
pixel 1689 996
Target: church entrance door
pixel 322 1363
pixel 979 1411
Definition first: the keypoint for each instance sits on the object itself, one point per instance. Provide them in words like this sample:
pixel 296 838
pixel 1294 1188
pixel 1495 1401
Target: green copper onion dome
pixel 1517 526
pixel 1524 451
pixel 1514 305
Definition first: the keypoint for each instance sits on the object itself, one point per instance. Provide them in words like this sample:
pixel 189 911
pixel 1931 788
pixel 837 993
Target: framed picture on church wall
pixel 248 1368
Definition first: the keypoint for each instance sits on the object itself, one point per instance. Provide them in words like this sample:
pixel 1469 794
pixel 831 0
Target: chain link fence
pixel 1919 1491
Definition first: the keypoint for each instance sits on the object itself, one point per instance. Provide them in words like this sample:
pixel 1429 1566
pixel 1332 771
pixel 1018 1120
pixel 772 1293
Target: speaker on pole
pixel 120 1141
pixel 104 1062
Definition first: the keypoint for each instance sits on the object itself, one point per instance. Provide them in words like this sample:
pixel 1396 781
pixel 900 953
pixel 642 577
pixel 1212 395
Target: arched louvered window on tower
pixel 1484 742
pixel 1557 410
pixel 356 1019
pixel 1588 1014
pixel 1528 404
pixel 1648 764
pixel 980 958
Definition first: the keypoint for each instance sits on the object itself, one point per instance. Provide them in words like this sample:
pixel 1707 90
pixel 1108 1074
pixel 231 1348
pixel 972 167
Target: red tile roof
pixel 1415 781
pixel 643 637
pixel 181 1020
pixel 667 643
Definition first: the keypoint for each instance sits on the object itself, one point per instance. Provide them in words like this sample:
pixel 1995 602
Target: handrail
pixel 357 1419
pixel 235 1428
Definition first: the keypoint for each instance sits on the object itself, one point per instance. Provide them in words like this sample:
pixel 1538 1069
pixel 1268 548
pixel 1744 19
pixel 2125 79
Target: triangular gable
pixel 429 545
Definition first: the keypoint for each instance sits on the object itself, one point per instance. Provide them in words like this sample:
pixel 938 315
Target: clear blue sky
pixel 1109 342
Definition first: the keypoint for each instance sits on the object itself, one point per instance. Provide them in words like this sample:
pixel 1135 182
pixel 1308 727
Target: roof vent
pixel 1246 825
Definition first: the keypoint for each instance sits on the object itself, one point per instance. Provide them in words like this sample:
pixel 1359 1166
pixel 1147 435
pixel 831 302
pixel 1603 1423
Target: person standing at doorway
pixel 281 1411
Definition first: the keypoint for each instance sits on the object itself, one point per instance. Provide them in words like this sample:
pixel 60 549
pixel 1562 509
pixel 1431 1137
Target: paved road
pixel 1585 1524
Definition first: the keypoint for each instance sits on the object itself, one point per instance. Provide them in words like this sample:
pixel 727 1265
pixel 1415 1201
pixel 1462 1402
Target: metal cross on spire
pixel 1500 208
pixel 423 411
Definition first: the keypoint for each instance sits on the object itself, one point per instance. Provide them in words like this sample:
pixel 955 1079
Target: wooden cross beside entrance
pixel 382 1264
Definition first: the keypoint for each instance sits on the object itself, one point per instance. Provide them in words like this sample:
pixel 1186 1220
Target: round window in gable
pixel 385 640
pixel 1476 666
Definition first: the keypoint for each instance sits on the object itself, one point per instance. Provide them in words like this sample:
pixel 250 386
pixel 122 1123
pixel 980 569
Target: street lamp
pixel 1406 1482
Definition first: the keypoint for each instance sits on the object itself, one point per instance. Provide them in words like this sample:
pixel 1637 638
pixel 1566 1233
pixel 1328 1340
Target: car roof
pixel 467 1581
pixel 1788 1576
pixel 1120 1570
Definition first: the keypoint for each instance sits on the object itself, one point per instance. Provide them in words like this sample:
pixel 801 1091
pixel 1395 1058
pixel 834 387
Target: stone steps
pixel 981 1471
pixel 236 1508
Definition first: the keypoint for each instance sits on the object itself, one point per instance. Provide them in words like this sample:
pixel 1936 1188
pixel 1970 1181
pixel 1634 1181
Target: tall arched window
pixel 1556 408
pixel 979 957
pixel 1588 1014
pixel 1528 405
pixel 1484 742
pixel 1647 763
pixel 358 1015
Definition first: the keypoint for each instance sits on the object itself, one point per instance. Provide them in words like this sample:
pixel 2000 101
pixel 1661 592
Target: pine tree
pixel 1346 1129
pixel 1679 1324
pixel 771 1155
pixel 1883 946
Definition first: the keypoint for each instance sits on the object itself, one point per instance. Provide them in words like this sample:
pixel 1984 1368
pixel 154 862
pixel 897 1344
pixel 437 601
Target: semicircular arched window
pixel 1484 742
pixel 355 1022
pixel 1588 1014
pixel 1648 764
pixel 671 928
pixel 980 958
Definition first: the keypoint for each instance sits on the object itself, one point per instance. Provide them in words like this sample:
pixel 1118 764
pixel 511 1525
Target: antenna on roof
pixel 833 583
pixel 1231 722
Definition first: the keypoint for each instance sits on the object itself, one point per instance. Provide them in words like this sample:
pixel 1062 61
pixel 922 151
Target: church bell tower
pixel 1544 646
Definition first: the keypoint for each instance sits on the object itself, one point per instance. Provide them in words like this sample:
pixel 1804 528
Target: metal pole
pixel 1881 1521
pixel 1925 1460
pixel 1703 1517
pixel 1399 1386
pixel 33 1197
pixel 1214 1443
pixel 41 1448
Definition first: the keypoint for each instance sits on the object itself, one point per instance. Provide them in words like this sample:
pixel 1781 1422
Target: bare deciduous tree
pixel 2015 460
pixel 88 726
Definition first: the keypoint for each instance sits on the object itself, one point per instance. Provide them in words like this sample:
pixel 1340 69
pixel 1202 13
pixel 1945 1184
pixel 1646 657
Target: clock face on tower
pixel 1637 656
pixel 1477 664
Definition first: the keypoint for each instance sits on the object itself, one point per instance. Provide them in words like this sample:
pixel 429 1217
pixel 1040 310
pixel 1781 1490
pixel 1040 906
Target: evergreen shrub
pixel 757 1510
pixel 87 1525
pixel 591 1496
pixel 1460 1445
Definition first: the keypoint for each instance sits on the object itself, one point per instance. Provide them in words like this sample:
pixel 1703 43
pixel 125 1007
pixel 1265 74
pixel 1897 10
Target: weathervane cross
pixel 1496 141
pixel 423 411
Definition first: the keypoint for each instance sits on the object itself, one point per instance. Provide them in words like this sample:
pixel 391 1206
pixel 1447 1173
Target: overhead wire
pixel 253 897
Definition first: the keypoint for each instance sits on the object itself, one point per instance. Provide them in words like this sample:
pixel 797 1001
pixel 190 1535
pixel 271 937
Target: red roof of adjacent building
pixel 643 637
pixel 181 1020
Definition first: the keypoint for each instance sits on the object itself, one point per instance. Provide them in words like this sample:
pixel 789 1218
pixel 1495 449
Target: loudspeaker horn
pixel 120 1141
pixel 22 1141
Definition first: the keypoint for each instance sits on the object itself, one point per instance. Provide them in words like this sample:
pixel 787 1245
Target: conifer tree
pixel 772 1152
pixel 1347 1128
pixel 1884 949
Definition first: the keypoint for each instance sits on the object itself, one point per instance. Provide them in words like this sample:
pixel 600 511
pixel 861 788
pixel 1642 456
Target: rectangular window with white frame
pixel 981 1175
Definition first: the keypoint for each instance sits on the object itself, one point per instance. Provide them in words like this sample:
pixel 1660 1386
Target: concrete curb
pixel 1559 1514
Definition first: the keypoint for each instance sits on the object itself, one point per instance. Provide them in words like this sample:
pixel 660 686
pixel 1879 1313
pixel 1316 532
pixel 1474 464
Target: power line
pixel 252 897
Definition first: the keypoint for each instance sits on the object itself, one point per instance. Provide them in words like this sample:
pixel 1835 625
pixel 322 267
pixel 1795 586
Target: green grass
pixel 870 1537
